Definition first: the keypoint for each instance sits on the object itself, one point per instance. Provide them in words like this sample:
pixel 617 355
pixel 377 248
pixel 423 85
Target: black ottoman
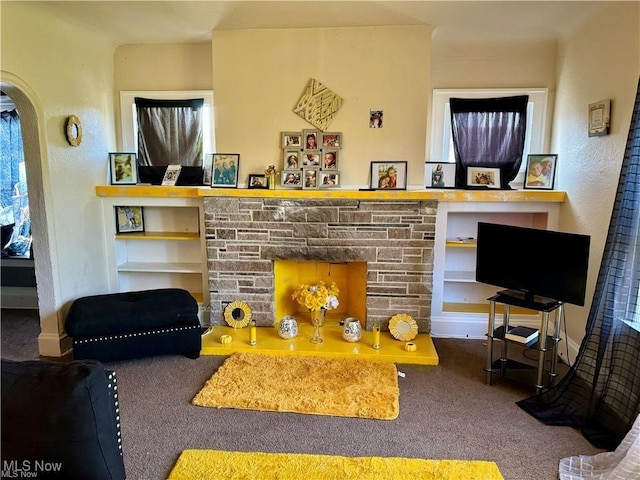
pixel 129 325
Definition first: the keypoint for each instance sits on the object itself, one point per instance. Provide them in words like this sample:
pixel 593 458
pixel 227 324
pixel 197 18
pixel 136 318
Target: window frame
pixel 440 134
pixel 128 118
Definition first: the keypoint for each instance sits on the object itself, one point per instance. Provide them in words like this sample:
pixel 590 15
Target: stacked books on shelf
pixel 522 334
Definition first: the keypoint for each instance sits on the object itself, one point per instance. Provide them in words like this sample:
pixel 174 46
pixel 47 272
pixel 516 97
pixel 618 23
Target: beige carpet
pixel 216 465
pixel 311 385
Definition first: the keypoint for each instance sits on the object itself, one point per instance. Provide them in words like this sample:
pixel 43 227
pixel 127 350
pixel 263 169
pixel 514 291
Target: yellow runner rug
pixel 313 385
pixel 217 465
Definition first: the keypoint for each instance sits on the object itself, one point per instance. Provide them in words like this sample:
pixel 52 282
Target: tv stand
pixel 545 306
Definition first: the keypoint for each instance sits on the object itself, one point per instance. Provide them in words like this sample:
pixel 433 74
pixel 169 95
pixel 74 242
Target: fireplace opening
pixel 349 277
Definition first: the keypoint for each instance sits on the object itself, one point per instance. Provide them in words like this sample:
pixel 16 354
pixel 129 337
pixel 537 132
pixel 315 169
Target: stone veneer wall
pixel 245 235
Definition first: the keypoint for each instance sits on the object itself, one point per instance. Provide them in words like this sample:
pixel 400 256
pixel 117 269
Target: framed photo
pixel 483 177
pixel 225 170
pixel 375 118
pixel 599 114
pixel 259 180
pixel 207 169
pixel 329 179
pixel 310 139
pixel 391 175
pixel 310 158
pixel 291 178
pixel 310 178
pixel 331 140
pixel 541 171
pixel 171 175
pixel 291 159
pixel 129 219
pixel 330 159
pixel 124 168
pixel 440 175
pixel 291 140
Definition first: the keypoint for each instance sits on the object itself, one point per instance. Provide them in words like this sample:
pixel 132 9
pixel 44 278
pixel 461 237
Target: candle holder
pixel 253 334
pixel 376 337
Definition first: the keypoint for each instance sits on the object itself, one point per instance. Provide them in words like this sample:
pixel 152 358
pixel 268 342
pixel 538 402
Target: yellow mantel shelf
pixel 333 346
pixel 441 195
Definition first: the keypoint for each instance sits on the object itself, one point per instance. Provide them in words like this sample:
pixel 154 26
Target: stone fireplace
pixel 246 235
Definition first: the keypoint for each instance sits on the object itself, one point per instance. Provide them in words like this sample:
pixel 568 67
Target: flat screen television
pixel 533 262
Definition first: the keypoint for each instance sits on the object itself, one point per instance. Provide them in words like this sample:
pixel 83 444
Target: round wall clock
pixel 74 131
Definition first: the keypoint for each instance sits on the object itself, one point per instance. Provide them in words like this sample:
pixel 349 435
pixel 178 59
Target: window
pixel 441 140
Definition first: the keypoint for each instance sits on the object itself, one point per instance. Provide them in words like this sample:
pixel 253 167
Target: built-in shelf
pixel 159 236
pixel 167 267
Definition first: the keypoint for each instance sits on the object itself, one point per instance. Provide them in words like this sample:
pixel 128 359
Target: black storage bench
pixel 122 326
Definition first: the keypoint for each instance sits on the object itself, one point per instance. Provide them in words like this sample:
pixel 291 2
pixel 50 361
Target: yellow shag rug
pixel 217 465
pixel 313 385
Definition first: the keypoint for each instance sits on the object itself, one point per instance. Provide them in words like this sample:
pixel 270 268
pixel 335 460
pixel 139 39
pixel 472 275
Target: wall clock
pixel 74 131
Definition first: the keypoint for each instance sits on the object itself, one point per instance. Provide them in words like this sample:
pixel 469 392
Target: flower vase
pixel 317 319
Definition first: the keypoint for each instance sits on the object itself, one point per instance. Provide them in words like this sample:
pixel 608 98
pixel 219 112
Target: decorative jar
pixel 352 330
pixel 288 327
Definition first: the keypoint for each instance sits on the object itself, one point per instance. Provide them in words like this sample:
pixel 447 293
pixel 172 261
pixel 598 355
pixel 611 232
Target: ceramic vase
pixel 352 330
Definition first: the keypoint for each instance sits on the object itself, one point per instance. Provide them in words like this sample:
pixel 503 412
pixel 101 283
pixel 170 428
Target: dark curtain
pixel 488 132
pixel 601 393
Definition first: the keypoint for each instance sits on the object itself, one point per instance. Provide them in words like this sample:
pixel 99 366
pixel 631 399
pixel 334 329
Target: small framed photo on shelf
pixel 330 159
pixel 331 140
pixel 129 219
pixel 310 139
pixel 541 171
pixel 291 178
pixel 599 114
pixel 390 175
pixel 310 158
pixel 123 167
pixel 291 140
pixel 440 175
pixel 171 175
pixel 207 169
pixel 310 178
pixel 291 159
pixel 483 177
pixel 259 180
pixel 225 170
pixel 329 179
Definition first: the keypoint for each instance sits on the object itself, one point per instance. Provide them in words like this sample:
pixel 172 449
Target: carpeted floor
pixel 312 385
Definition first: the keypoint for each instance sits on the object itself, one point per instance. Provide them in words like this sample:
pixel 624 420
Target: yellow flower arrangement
pixel 317 297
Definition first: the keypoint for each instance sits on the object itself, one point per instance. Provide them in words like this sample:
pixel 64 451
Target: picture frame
pixel 291 140
pixel 171 175
pixel 388 175
pixel 225 170
pixel 290 159
pixel 291 179
pixel 258 180
pixel 541 171
pixel 310 158
pixel 440 175
pixel 599 117
pixel 129 219
pixel 329 159
pixel 207 168
pixel 375 117
pixel 483 177
pixel 310 139
pixel 310 178
pixel 123 168
pixel 329 179
pixel 331 140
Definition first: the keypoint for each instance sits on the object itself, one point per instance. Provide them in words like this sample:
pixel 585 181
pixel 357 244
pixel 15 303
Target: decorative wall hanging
pixel 74 131
pixel 318 105
pixel 599 118
pixel 237 314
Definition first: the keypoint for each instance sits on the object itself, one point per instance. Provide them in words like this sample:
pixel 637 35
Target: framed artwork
pixel 259 180
pixel 330 159
pixel 375 118
pixel 483 177
pixel 291 140
pixel 129 219
pixel 171 175
pixel 291 178
pixel 329 179
pixel 440 175
pixel 391 175
pixel 310 178
pixel 541 171
pixel 207 169
pixel 124 168
pixel 291 159
pixel 310 139
pixel 599 114
pixel 310 158
pixel 225 170
pixel 331 140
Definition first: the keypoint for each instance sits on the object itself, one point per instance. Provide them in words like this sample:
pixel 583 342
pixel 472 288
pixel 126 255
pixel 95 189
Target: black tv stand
pixel 527 300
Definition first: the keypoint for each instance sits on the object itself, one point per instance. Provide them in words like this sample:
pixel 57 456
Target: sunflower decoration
pixel 317 297
pixel 403 327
